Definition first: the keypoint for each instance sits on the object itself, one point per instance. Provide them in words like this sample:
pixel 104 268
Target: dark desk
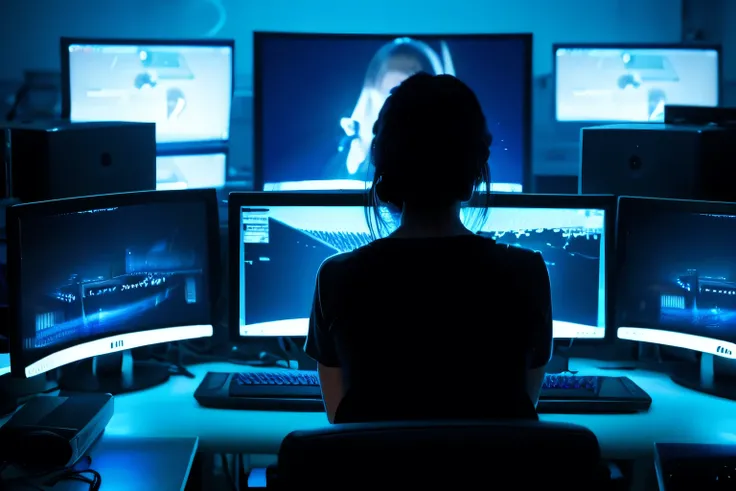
pixel 677 415
pixel 140 464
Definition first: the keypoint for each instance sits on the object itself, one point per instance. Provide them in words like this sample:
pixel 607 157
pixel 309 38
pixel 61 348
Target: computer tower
pixel 53 160
pixel 659 160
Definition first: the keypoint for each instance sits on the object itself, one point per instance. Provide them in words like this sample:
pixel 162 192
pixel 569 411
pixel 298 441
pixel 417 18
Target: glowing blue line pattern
pixel 292 242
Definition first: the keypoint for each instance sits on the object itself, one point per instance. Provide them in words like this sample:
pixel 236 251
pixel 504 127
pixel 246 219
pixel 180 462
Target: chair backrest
pixel 446 454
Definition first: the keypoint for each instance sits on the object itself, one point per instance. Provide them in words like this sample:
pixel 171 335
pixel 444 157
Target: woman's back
pixel 433 321
pixel 460 320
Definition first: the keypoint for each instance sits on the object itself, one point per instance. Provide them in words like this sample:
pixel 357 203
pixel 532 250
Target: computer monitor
pixel 278 242
pixel 632 83
pixel 100 275
pixel 677 280
pixel 321 93
pixel 191 171
pixel 185 87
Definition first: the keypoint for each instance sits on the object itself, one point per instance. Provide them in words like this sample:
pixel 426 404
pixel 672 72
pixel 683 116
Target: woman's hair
pixel 430 148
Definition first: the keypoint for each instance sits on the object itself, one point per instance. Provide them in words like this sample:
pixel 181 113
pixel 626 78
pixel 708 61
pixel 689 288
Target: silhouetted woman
pixel 431 321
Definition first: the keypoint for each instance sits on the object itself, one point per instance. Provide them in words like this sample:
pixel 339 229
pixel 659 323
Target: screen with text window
pixel 322 95
pixel 185 90
pixel 283 248
pixel 632 85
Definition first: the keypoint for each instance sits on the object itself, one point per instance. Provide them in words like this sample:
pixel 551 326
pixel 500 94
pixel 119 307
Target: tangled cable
pixel 39 480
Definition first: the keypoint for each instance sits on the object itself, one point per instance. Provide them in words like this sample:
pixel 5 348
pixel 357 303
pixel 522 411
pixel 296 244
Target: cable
pixel 221 18
pixel 228 474
pixel 18 99
pixel 48 478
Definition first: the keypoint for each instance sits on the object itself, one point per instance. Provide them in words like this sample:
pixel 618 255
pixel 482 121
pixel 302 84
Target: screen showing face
pixel 678 281
pixel 190 171
pixel 327 117
pixel 185 90
pixel 132 272
pixel 632 85
pixel 278 270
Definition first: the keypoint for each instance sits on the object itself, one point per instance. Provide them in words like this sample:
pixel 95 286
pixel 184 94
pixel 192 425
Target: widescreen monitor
pixel 185 87
pixel 317 96
pixel 98 275
pixel 191 171
pixel 278 242
pixel 677 274
pixel 620 83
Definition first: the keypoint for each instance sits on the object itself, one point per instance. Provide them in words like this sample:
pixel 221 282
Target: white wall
pixel 31 28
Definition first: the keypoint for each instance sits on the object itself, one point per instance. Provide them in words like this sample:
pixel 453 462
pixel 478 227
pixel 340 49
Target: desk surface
pixel 677 415
pixel 136 464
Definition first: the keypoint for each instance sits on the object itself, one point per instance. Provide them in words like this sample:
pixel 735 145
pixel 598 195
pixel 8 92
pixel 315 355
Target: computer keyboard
pixel 292 390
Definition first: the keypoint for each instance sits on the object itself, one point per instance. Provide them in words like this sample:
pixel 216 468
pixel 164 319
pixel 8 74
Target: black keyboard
pixel 292 390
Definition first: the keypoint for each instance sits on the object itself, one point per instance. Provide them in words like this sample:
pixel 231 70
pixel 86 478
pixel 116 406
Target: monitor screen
pixel 186 90
pixel 190 171
pixel 327 118
pixel 677 280
pixel 111 279
pixel 282 249
pixel 630 84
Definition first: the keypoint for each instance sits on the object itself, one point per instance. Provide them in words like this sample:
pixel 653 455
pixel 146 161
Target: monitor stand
pixel 116 373
pixel 560 362
pixel 706 379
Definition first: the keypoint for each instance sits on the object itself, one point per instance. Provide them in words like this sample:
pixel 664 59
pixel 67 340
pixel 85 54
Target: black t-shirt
pixel 433 328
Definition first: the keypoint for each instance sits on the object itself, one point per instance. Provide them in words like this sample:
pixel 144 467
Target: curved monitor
pixel 321 93
pixel 97 275
pixel 632 83
pixel 677 274
pixel 184 86
pixel 274 283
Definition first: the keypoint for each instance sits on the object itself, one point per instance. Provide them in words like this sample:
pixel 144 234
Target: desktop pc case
pixel 61 160
pixel 659 160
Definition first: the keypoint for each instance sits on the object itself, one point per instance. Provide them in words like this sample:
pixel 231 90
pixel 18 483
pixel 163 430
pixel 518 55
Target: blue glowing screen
pixel 185 90
pixel 632 85
pixel 679 274
pixel 283 248
pixel 190 171
pixel 105 272
pixel 320 96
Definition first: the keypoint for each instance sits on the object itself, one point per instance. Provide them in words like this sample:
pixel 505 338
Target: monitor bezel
pixel 15 214
pixel 632 46
pixel 260 36
pixel 236 200
pixel 627 206
pixel 211 146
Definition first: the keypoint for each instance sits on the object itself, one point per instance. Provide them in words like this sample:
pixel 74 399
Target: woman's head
pixel 431 145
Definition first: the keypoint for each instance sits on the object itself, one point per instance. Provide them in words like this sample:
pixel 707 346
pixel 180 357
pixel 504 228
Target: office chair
pixel 441 454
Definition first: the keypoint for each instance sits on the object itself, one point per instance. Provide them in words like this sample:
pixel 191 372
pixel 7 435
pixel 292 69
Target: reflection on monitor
pixel 185 90
pixel 112 279
pixel 678 281
pixel 278 271
pixel 344 81
pixel 190 171
pixel 632 85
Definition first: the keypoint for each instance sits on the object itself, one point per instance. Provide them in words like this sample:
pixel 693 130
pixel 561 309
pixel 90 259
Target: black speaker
pixel 659 160
pixel 54 160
